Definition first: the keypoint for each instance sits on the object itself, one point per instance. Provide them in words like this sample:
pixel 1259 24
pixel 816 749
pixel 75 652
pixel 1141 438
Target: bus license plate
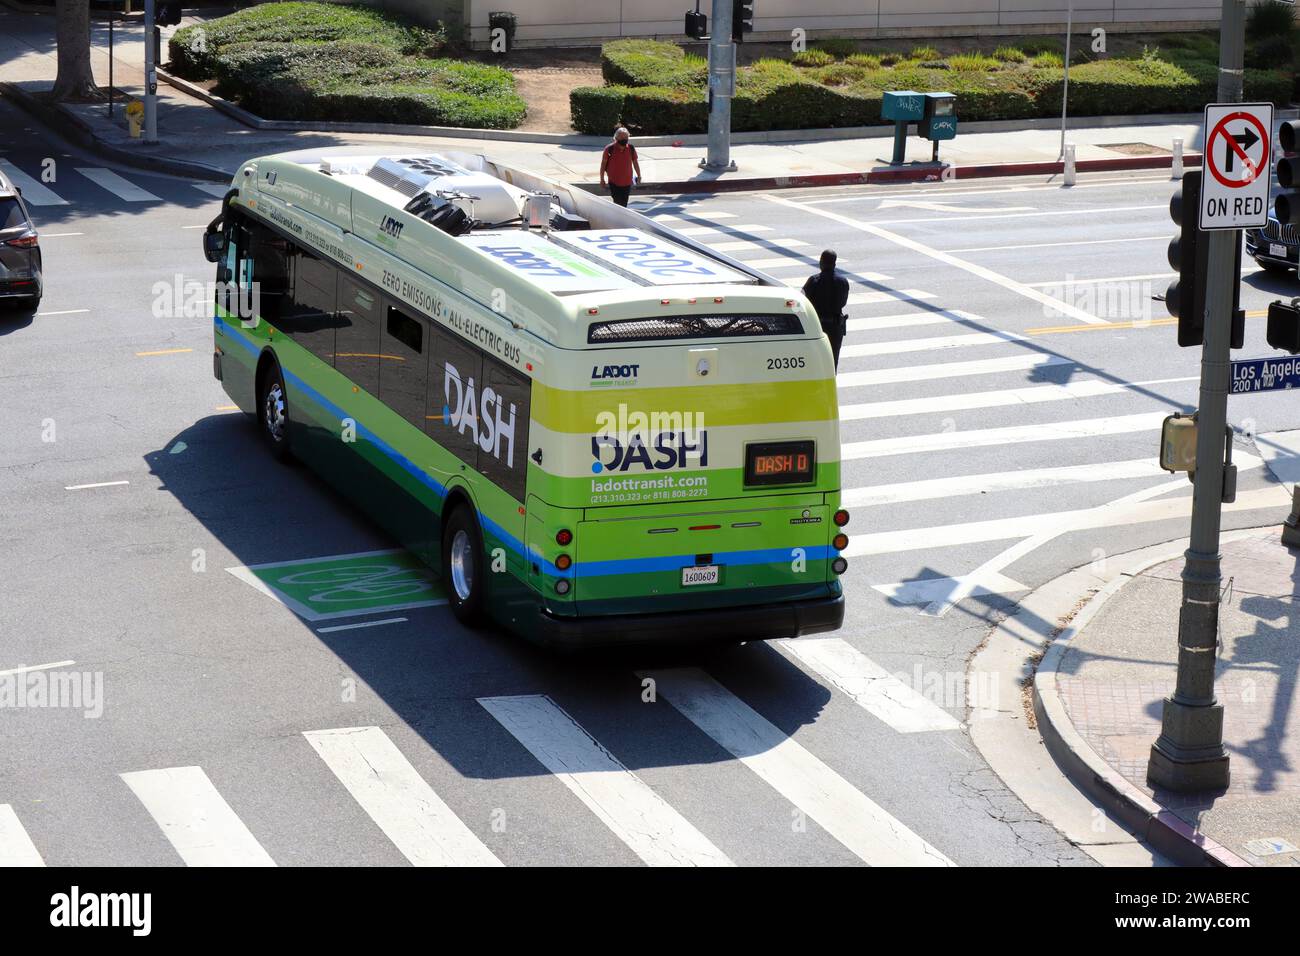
pixel 703 574
pixel 1274 249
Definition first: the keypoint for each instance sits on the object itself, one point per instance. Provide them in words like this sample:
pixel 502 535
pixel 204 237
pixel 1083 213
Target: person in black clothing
pixel 829 293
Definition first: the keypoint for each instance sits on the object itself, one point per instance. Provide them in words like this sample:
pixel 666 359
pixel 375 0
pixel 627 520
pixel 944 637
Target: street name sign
pixel 1238 149
pixel 1265 375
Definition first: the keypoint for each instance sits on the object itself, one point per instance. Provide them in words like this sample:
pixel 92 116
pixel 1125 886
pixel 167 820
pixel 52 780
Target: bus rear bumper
pixel 758 622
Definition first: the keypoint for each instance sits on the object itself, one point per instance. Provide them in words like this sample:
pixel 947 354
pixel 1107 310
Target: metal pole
pixel 1065 90
pixel 1189 754
pixel 150 77
pixel 110 66
pixel 722 72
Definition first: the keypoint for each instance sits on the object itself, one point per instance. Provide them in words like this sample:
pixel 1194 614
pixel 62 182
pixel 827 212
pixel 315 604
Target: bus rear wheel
pixel 463 569
pixel 273 413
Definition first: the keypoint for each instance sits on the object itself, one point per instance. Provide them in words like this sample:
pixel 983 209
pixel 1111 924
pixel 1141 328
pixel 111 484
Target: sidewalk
pixel 202 141
pixel 1099 692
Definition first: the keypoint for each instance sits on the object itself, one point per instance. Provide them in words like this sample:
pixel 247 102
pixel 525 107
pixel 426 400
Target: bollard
pixel 1069 165
pixel 1291 527
pixel 1176 167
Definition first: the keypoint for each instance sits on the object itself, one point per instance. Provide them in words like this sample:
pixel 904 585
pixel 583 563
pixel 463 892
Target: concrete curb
pixel 74 129
pixel 1161 828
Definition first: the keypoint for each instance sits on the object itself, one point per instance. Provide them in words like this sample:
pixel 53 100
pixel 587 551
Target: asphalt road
pixel 987 438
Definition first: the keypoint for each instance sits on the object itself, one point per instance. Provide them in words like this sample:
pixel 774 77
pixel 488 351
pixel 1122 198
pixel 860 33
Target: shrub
pixel 890 58
pixel 838 47
pixel 973 63
pixel 924 53
pixel 1049 59
pixel 1270 18
pixel 868 60
pixel 813 57
pixel 650 63
pixel 1010 54
pixel 1271 53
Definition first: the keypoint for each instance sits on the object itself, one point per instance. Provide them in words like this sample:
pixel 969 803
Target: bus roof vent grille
pixel 410 175
pixel 672 327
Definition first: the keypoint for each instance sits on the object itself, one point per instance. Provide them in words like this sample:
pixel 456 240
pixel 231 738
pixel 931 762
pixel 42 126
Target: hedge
pixel 654 88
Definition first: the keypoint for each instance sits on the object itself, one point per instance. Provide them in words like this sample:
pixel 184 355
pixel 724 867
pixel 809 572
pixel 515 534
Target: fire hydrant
pixel 135 117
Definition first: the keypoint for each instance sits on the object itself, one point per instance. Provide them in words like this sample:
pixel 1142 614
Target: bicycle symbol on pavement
pixel 346 584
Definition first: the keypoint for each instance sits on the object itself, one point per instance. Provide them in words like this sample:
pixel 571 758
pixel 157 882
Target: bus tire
pixel 463 568
pixel 273 412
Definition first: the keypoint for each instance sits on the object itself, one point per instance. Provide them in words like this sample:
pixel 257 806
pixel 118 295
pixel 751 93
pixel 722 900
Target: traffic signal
pixel 742 19
pixel 1287 204
pixel 1284 327
pixel 167 13
pixel 1189 256
pixel 697 24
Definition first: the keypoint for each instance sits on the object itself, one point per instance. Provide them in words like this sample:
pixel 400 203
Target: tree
pixel 75 81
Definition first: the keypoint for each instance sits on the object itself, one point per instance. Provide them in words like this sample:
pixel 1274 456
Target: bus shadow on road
pixel 429 670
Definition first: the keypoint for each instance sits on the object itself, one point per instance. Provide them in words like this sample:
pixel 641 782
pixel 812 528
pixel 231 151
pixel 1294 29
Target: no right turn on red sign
pixel 1238 149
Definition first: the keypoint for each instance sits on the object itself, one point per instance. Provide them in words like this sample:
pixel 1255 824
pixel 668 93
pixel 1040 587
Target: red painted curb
pixel 927 173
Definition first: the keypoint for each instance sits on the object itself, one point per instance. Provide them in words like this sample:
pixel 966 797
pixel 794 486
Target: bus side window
pixel 455 368
pixel 505 459
pixel 357 342
pixel 307 316
pixel 403 369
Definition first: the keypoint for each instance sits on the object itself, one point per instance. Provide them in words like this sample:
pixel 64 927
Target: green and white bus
pixel 598 431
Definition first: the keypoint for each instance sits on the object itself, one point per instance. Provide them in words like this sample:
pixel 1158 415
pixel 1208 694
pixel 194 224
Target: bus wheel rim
pixel 462 565
pixel 274 412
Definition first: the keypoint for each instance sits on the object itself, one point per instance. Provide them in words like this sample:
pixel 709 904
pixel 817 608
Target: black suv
pixel 20 250
pixel 1275 247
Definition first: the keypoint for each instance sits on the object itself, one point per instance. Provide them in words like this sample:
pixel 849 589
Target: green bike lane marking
pixel 345 585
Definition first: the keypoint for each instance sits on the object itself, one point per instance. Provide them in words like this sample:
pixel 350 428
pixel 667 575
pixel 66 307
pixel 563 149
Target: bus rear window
pixel 675 327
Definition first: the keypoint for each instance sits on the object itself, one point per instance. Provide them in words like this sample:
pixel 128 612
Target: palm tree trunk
pixel 75 81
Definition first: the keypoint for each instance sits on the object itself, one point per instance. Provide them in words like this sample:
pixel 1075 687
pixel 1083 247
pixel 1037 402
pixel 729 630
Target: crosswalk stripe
pixel 34 192
pixel 946 371
pixel 1003 435
pixel 848 815
pixel 744 245
pixel 688 215
pixel 779 262
pixel 893 295
pixel 16 847
pixel 123 189
pixel 195 818
pixel 934 343
pixel 725 230
pixel 1024 526
pixel 636 814
pixel 939 590
pixel 213 189
pixel 907 320
pixel 932 489
pixel 398 799
pixel 870 686
pixel 1026 395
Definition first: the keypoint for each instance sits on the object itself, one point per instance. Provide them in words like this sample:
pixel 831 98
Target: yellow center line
pixel 227 408
pixel 1138 324
pixel 164 352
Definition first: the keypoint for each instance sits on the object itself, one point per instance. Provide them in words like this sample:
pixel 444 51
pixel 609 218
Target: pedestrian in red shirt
pixel 618 165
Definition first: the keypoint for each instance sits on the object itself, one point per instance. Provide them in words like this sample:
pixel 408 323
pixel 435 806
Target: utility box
pixel 903 106
pixel 939 119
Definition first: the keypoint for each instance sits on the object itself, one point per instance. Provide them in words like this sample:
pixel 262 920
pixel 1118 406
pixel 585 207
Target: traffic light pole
pixel 1189 754
pixel 150 76
pixel 722 77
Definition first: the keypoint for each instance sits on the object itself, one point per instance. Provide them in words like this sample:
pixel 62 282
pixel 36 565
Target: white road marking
pixel 934 489
pixel 997 278
pixel 930 590
pixel 123 189
pixel 1003 435
pixel 35 192
pixel 932 344
pixel 907 320
pixel 780 262
pixel 60 235
pixel 398 799
pixel 65 312
pixel 870 686
pixel 848 815
pixel 950 207
pixel 689 215
pixel 892 295
pixel 1045 245
pixel 1028 526
pixel 744 245
pixel 98 484
pixel 637 815
pixel 946 371
pixel 873 193
pixel 36 667
pixel 1025 395
pixel 16 847
pixel 212 189
pixel 1018 215
pixel 726 230
pixel 195 818
pixel 353 627
pixel 1083 280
